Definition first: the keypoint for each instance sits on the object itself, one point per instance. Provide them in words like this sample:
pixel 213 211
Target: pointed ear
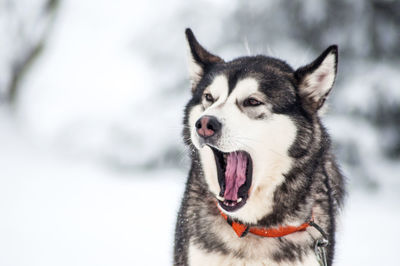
pixel 316 79
pixel 199 59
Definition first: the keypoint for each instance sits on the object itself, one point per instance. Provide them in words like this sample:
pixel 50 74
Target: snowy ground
pixel 60 212
pixel 57 210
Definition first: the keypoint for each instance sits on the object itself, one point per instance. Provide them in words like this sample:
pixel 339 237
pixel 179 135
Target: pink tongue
pixel 235 174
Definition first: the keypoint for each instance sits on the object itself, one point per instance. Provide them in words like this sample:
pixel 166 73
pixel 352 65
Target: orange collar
pixel 241 230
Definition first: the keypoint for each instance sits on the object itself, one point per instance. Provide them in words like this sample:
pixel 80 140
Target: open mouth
pixel 235 170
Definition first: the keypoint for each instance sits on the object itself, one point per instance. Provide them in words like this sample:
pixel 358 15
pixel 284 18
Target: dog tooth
pixel 220 198
pixel 239 200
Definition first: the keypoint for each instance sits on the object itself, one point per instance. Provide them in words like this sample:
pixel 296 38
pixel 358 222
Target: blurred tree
pixel 24 28
pixel 363 28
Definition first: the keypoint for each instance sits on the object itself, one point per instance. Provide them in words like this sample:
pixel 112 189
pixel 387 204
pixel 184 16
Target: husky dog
pixel 262 169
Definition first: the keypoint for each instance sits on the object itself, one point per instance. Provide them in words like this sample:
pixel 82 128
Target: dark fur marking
pixel 288 252
pixel 232 81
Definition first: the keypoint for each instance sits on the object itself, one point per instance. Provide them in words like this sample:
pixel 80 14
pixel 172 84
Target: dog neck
pixel 242 230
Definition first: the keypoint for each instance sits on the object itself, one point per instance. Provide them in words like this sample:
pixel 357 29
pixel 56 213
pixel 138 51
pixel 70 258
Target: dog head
pixel 244 120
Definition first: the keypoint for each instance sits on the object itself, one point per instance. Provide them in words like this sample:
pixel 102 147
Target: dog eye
pixel 251 102
pixel 208 97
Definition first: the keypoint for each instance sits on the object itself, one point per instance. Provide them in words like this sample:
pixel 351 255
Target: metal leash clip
pixel 320 245
pixel 320 250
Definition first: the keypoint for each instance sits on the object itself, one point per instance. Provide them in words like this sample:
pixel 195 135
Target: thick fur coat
pixel 258 106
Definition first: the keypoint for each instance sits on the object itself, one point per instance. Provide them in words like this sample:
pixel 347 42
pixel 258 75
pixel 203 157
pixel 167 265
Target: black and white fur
pixel 294 173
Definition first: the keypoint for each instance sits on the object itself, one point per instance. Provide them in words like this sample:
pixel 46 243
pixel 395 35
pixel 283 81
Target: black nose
pixel 207 126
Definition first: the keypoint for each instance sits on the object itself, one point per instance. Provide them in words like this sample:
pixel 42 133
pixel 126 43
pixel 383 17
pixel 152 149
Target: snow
pixel 370 81
pixel 57 211
pixel 369 230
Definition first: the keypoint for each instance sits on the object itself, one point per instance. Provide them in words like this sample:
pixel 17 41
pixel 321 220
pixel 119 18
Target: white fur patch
pixel 266 140
pixel 199 257
pixel 318 84
pixel 244 88
pixel 210 169
pixel 219 90
pixel 195 70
